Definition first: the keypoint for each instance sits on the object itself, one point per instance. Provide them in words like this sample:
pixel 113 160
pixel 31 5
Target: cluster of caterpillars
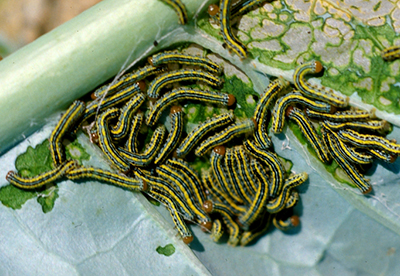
pixel 246 187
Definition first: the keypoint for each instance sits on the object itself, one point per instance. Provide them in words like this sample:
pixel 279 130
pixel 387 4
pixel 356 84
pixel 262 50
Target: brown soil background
pixel 22 21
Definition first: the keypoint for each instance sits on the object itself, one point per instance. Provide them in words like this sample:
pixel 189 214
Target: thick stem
pixel 61 66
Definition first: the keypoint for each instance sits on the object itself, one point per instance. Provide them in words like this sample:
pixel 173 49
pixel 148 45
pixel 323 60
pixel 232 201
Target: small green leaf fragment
pixel 47 198
pixel 14 197
pixel 243 94
pixel 167 250
pixel 297 132
pixel 199 164
pixel 75 151
pixel 5 49
pixel 152 200
pixel 377 6
pixel 331 168
pixel 35 160
pixel 205 25
pixel 287 164
pixel 342 177
pixel 193 112
pixel 147 137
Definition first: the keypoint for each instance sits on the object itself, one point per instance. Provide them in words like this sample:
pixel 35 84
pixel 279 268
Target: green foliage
pixel 31 163
pixel 167 250
pixel 75 151
pixel 14 197
pixel 244 94
pixel 35 160
pixel 347 47
pixel 47 198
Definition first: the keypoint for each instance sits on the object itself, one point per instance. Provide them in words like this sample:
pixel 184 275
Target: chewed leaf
pixel 348 42
pixel 48 198
pixel 167 250
pixel 29 164
pixel 244 94
pixel 14 197
pixel 75 151
pixel 35 160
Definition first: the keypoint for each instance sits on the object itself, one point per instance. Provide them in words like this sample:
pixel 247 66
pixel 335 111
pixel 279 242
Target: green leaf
pixel 244 94
pixel 35 160
pixel 167 250
pixel 75 151
pixel 48 198
pixel 14 197
pixel 29 164
pixel 347 46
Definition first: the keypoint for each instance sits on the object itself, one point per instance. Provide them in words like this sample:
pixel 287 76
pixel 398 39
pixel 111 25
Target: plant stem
pixel 48 74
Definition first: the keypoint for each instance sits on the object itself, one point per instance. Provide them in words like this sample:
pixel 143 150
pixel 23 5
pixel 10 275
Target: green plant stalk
pixel 48 74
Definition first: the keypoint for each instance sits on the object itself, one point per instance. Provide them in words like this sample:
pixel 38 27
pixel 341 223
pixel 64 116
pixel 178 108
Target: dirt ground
pixel 22 21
